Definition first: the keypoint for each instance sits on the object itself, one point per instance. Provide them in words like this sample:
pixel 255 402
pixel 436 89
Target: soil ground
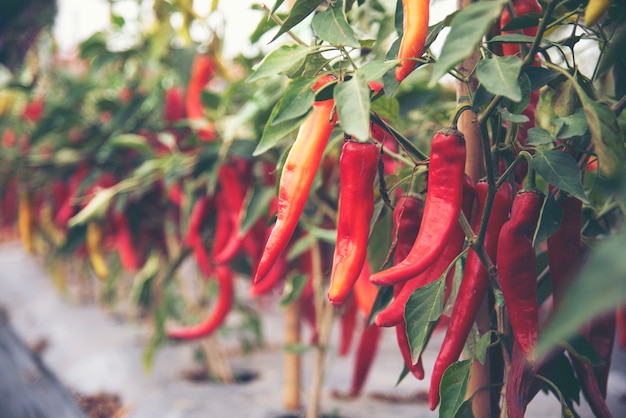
pixel 99 356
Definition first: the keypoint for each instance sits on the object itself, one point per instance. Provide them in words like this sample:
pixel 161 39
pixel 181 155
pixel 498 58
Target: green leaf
pixel 275 7
pixel 300 10
pixel 375 70
pixel 353 107
pixel 512 117
pixel 255 206
pixel 95 209
pixel 280 61
pixel 453 388
pixel 561 374
pixel 465 410
pixel 482 346
pixel 528 20
pixel 606 135
pixel 539 76
pixel 512 38
pixel 296 101
pixel 404 373
pixel 332 26
pixel 539 136
pixel 422 311
pixel 298 349
pixel 561 170
pixel 328 235
pixel 601 287
pixel 273 134
pixel 466 31
pixel 135 142
pixel 383 297
pixel 572 125
pixel 549 219
pixel 293 289
pixel 499 76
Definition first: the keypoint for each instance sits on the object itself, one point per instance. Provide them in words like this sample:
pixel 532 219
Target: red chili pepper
pixel 474 285
pixel 564 248
pixel 198 215
pixel 222 307
pixel 70 205
pixel 127 246
pixel 174 105
pixel 519 380
pixel 365 354
pixel 33 111
pixel 517 263
pixel 364 291
pixel 233 191
pixel 600 332
pixel 296 179
pixel 416 369
pixel 358 166
pixel 202 70
pixel 393 314
pixel 443 205
pixel 276 275
pixel 347 325
pixel 407 219
pixel 415 28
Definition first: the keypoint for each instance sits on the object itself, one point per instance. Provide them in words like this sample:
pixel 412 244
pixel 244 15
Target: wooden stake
pixel 292 361
pixel 475 168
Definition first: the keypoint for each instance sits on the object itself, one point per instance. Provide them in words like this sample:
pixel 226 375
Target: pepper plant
pixel 367 166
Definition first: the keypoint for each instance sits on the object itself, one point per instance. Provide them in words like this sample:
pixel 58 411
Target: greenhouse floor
pixel 93 352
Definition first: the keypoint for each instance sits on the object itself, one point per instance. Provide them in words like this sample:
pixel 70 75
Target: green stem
pixel 530 57
pixel 402 140
pixel 457 114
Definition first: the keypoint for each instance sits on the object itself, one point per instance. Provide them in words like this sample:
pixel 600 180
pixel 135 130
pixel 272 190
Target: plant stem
pixel 280 22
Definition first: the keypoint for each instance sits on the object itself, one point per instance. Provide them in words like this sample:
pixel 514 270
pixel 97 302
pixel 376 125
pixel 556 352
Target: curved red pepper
pixel 358 166
pixel 517 263
pixel 215 319
pixel 228 224
pixel 365 354
pixel 443 205
pixel 275 276
pixel 416 369
pixel 202 70
pixel 407 219
pixel 474 285
pixel 564 248
pixel 394 313
pixel 199 214
pixel 296 179
pixel 347 325
pixel 126 244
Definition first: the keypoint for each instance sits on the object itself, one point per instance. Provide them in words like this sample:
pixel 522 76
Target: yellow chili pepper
pixel 95 234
